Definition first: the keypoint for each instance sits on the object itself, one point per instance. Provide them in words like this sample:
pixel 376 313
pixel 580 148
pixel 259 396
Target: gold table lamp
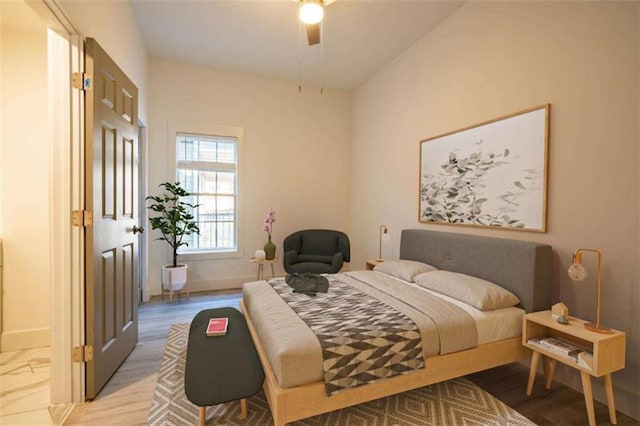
pixel 577 272
pixel 383 235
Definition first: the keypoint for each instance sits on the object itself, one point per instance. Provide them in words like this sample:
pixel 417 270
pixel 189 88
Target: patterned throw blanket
pixel 363 339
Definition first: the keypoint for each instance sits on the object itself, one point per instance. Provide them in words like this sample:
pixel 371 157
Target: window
pixel 207 160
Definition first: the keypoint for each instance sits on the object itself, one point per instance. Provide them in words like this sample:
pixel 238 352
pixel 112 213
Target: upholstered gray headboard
pixel 522 267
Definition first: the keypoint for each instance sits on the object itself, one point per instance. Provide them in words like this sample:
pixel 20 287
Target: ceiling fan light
pixel 311 11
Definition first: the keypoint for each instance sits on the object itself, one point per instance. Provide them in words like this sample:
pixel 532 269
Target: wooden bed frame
pixel 531 285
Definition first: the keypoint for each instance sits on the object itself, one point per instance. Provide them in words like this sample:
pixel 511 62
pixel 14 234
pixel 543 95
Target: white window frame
pixel 175 128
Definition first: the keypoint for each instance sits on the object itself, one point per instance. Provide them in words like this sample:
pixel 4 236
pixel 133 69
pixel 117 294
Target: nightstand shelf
pixel 607 354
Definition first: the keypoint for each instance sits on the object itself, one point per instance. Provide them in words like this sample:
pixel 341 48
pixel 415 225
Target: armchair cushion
pixel 314 258
pixel 317 251
pixel 319 243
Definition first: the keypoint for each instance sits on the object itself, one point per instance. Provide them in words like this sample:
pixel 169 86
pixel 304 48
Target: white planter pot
pixel 174 278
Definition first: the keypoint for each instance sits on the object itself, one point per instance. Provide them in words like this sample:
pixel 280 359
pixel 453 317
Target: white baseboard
pixel 25 339
pixel 60 413
pixel 216 284
pixel 223 284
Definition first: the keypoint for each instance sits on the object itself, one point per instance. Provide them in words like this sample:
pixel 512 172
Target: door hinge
pixel 82 353
pixel 82 218
pixel 81 81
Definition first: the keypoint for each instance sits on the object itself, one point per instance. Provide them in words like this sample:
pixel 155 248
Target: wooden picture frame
pixel 492 174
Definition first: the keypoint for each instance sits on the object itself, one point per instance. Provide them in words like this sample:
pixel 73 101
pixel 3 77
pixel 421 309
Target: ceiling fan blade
pixel 313 33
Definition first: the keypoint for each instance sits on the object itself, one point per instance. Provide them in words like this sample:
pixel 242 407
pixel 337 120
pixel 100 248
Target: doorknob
pixel 136 229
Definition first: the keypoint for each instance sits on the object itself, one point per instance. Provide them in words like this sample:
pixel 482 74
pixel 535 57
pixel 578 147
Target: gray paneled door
pixel 111 258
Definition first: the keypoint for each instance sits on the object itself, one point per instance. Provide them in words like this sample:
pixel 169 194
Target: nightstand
pixel 372 264
pixel 607 354
pixel 261 263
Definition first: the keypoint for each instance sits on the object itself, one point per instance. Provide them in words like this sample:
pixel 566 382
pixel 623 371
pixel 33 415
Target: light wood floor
pixel 125 400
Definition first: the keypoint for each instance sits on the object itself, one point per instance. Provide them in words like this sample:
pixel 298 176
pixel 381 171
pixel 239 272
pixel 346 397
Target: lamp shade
pixel 311 11
pixel 577 272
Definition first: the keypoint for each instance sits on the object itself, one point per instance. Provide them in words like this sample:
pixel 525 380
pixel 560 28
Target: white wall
pixel 490 59
pixel 113 25
pixel 296 157
pixel 24 180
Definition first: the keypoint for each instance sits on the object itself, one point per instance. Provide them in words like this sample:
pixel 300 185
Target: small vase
pixel 270 249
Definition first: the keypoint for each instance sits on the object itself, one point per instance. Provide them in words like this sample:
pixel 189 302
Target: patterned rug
pixel 454 402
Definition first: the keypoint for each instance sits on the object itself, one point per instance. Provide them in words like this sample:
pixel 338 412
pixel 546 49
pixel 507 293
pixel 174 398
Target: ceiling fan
pixel 311 13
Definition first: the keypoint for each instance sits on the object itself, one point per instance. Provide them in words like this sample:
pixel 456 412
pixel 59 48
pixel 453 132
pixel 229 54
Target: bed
pixel 293 362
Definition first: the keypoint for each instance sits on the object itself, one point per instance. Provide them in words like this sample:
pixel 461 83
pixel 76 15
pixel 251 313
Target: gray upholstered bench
pixel 221 368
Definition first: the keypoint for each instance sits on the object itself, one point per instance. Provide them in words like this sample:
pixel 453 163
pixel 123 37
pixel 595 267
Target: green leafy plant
pixel 175 219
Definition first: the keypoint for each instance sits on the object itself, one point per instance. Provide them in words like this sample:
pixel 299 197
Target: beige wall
pixel 25 173
pixel 113 25
pixel 25 225
pixel 296 157
pixel 490 59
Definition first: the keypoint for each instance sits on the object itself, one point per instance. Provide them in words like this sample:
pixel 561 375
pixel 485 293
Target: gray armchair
pixel 318 251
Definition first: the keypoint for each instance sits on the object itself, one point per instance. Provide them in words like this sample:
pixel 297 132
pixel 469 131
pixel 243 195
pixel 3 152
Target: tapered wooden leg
pixel 260 273
pixel 535 358
pixel 608 387
pixel 588 397
pixel 187 285
pixel 273 274
pixel 243 408
pixel 202 416
pixel 551 368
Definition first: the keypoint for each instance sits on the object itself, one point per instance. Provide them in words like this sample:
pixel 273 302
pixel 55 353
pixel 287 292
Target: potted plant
pixel 175 221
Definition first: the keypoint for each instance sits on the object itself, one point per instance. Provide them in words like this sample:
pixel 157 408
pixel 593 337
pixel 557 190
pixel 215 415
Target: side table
pixel 606 354
pixel 261 263
pixel 370 264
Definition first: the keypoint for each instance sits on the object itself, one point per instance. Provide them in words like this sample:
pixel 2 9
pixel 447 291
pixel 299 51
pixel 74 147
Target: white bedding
pixel 492 325
pixel 290 350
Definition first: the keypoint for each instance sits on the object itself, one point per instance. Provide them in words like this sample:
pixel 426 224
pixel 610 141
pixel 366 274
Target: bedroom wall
pixel 113 25
pixel 25 171
pixel 491 59
pixel 296 158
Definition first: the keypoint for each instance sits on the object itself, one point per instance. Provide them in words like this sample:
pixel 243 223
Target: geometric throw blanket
pixel 451 403
pixel 363 339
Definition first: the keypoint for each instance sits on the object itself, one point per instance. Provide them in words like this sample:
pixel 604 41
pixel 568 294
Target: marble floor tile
pixel 32 418
pixel 13 369
pixel 25 355
pixel 24 392
pixel 25 387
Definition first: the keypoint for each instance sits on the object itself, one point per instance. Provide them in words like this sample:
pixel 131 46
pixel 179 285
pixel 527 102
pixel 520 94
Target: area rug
pixel 454 402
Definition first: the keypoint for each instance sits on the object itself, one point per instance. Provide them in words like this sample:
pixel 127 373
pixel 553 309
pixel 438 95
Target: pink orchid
pixel 268 221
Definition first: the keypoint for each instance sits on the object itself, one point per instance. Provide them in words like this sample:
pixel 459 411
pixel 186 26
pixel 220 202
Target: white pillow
pixel 404 269
pixel 479 293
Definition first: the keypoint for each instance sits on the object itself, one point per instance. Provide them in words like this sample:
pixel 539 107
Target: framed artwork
pixel 492 174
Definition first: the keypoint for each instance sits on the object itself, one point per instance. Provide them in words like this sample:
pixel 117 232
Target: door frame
pixel 143 252
pixel 66 53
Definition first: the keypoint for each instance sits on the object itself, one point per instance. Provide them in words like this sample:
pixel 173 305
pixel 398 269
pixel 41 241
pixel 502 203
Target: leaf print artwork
pixel 489 175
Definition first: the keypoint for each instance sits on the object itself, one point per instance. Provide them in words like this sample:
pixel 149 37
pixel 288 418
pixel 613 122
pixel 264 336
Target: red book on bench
pixel 217 326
